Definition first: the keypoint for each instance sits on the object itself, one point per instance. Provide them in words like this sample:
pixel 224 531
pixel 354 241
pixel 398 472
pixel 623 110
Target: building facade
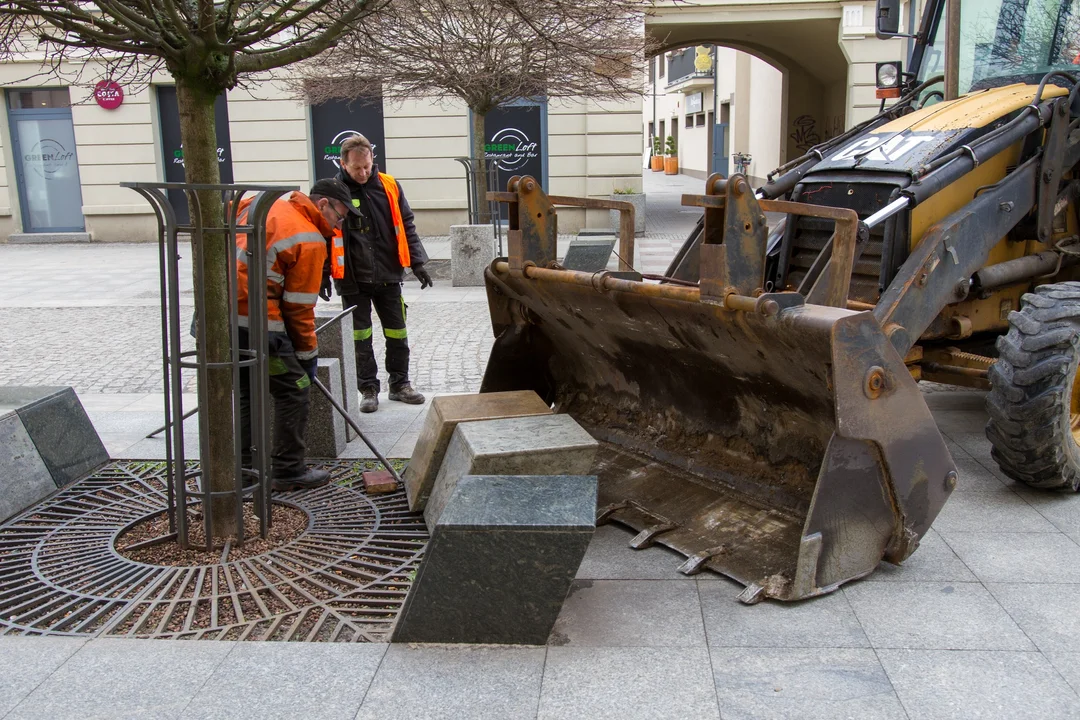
pixel 738 79
pixel 64 150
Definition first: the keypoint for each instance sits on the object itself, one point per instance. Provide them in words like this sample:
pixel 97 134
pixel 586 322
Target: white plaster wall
pixel 766 98
pixel 269 132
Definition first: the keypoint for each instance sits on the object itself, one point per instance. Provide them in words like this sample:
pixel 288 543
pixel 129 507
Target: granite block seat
pixel 442 418
pixel 501 560
pixel 46 442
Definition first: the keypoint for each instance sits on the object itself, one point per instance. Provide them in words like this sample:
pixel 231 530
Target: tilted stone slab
pixel 537 445
pixel 500 561
pixel 589 254
pixel 442 418
pixel 24 478
pixel 336 341
pixel 57 424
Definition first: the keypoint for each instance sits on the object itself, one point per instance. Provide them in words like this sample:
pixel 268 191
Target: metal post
pixel 254 358
pixel 952 49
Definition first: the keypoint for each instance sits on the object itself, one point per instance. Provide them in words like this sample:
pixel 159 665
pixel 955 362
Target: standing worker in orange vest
pixel 367 264
pixel 297 233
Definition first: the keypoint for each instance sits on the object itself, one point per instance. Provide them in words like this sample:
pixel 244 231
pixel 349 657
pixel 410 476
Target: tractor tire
pixel 1034 401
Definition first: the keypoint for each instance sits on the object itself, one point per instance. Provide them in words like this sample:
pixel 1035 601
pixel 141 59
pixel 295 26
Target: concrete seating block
pixel 62 434
pixel 337 342
pixel 501 560
pixel 325 436
pixel 536 445
pixel 442 418
pixel 24 477
pixel 638 201
pixel 589 254
pixel 472 248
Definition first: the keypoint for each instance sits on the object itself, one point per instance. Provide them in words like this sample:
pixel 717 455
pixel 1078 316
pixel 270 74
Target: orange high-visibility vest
pixel 337 247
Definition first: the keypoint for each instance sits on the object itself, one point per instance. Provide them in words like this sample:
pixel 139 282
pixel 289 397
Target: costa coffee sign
pixel 108 94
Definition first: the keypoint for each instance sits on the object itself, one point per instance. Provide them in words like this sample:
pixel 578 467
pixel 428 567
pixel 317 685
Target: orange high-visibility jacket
pixel 296 234
pixel 337 249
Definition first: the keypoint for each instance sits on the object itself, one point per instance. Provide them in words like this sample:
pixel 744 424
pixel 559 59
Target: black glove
pixel 324 291
pixel 422 275
pixel 310 366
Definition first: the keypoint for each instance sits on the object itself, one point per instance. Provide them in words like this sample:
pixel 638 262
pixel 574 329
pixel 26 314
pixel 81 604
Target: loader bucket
pixel 781 443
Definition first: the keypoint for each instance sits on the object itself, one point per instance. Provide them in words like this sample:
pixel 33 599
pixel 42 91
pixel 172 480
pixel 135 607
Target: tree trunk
pixel 480 165
pixel 199 136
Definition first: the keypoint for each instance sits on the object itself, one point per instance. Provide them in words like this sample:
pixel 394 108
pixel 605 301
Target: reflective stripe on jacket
pixel 296 234
pixel 391 188
pixel 337 255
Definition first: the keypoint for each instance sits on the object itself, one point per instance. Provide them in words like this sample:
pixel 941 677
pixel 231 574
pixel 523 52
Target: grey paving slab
pixel 92 401
pixel 826 621
pixel 154 449
pixel 990 511
pixel 939 684
pixel 627 684
pixel 1062 509
pixel 288 680
pixel 132 422
pixel 455 682
pixel 384 442
pixel 958 401
pixel 933 560
pixel 610 557
pixel 404 446
pixel 803 684
pixel 1047 613
pixel 155 402
pixel 973 442
pixel 1017 557
pixel 392 416
pixel 27 662
pixel 125 679
pixel 945 616
pixel 1068 666
pixel 975 477
pixel 653 613
pixel 958 420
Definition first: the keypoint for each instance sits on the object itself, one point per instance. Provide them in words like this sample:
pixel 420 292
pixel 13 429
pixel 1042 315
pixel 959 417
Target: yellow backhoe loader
pixel 758 406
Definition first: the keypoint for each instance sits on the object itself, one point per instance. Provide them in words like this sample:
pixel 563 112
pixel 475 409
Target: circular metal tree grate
pixel 343 579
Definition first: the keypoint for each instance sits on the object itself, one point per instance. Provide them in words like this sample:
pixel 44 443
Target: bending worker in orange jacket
pixel 297 230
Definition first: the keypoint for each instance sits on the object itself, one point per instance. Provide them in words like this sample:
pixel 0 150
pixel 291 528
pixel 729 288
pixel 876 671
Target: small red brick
pixel 379 481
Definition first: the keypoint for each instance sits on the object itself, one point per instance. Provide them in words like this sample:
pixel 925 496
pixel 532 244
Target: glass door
pixel 46 166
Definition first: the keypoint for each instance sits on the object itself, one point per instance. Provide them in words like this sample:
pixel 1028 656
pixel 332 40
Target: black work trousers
pixel 290 387
pixel 389 305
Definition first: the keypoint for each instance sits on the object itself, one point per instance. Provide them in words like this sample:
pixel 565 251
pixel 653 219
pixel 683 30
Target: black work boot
pixel 370 401
pixel 406 394
pixel 309 479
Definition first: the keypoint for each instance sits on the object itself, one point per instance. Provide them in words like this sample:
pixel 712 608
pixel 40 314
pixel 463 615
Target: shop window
pixel 38 98
pixel 689 121
pixel 701 120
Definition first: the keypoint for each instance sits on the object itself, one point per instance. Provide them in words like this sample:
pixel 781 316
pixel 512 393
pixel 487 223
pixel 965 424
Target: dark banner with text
pixel 173 148
pixel 514 142
pixel 333 121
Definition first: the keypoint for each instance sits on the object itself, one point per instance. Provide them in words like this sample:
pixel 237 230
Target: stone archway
pixel 799 39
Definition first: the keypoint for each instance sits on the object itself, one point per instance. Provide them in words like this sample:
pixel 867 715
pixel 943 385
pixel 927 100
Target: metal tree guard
pixel 473 200
pixel 255 357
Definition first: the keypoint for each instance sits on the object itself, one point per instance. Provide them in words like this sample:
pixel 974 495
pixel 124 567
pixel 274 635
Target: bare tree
pixel 486 53
pixel 208 47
